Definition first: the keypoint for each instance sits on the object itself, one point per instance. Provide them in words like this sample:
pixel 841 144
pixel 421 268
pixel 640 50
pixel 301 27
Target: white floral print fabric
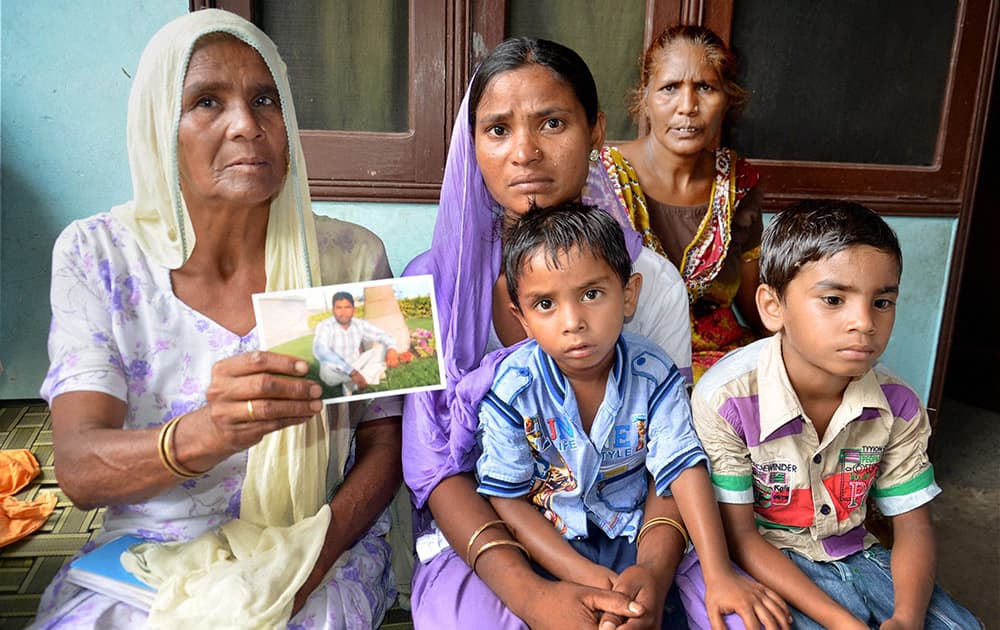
pixel 118 328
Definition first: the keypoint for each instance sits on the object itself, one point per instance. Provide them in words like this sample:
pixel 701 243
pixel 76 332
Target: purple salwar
pixel 447 594
pixel 691 584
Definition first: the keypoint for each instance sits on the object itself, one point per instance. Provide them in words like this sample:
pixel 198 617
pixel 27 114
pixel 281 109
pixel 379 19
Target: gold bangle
pixel 166 436
pixel 167 457
pixel 662 520
pixel 166 433
pixel 160 441
pixel 178 468
pixel 498 543
pixel 472 539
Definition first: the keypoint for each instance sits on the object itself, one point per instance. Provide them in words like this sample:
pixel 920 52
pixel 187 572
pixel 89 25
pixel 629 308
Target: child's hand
pixel 756 604
pixel 639 584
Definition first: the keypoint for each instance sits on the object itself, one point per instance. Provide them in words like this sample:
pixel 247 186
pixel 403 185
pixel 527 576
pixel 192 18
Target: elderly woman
pixel 527 133
pixel 696 204
pixel 163 408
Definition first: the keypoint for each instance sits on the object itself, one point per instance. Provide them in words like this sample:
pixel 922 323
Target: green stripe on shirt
pixel 732 483
pixel 919 482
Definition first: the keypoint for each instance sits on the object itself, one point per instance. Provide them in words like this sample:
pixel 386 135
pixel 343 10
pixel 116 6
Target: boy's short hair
pixel 342 295
pixel 814 229
pixel 560 229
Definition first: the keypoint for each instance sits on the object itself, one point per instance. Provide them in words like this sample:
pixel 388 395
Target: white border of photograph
pixel 283 316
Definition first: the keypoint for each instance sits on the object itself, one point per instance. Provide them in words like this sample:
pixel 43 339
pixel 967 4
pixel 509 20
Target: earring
pixel 594 154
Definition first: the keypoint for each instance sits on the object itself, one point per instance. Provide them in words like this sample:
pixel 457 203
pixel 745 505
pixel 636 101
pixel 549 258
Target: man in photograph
pixel 338 345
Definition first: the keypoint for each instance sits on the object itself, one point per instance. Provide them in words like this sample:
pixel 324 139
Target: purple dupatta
pixel 439 427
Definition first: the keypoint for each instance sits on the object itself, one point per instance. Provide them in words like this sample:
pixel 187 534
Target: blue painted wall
pixel 65 80
pixel 65 83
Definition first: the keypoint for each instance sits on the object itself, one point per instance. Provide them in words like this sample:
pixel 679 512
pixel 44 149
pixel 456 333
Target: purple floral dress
pixel 118 328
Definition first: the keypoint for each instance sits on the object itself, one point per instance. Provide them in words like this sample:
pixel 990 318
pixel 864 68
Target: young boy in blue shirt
pixel 580 412
pixel 803 426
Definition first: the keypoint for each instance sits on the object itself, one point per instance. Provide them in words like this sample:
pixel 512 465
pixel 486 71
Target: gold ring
pixel 250 409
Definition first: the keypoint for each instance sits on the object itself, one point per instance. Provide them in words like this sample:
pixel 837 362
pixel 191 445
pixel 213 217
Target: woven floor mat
pixel 28 565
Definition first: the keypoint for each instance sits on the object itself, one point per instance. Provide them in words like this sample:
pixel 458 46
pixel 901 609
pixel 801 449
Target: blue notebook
pixel 101 570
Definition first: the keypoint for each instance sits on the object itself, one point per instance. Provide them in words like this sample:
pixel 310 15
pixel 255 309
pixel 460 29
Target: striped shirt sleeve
pixel 728 455
pixel 506 466
pixel 905 478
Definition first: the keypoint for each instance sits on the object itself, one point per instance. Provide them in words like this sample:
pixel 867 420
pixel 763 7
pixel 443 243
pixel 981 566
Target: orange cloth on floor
pixel 20 518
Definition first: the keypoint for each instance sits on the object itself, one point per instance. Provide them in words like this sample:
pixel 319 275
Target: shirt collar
pixel 555 380
pixel 779 404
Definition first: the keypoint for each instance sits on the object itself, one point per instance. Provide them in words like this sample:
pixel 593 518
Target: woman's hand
pixel 562 604
pixel 313 581
pixel 97 463
pixel 256 393
pixel 757 605
pixel 639 584
pixel 596 576
pixel 541 603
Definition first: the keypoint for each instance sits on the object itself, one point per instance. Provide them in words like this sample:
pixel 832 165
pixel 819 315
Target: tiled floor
pixel 28 565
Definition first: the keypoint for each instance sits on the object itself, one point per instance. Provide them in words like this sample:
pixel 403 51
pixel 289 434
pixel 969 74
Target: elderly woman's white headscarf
pixel 248 572
pixel 157 214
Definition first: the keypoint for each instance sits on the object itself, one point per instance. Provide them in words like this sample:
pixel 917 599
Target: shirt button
pixel 824 509
pixel 817 458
